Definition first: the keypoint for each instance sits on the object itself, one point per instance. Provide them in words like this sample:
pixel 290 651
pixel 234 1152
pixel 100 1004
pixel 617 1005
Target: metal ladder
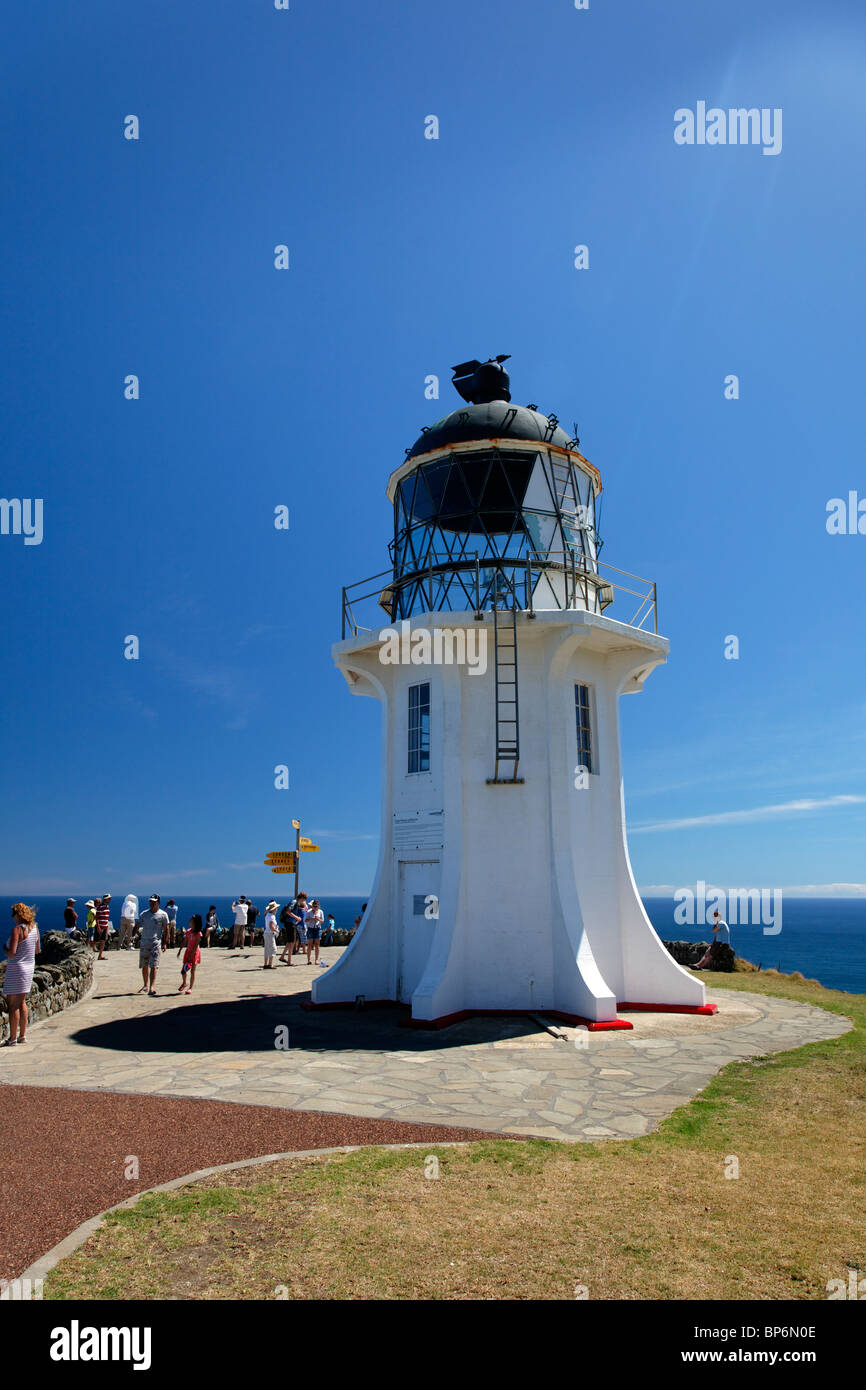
pixel 505 675
pixel 560 470
pixel 567 499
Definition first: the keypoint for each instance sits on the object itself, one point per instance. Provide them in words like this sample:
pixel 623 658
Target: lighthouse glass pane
pixel 584 730
pixel 419 727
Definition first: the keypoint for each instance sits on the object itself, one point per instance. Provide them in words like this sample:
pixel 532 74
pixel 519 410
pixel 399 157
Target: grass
pixel 650 1218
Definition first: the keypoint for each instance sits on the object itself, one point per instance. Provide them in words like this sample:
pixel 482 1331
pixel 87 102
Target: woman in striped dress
pixel 20 951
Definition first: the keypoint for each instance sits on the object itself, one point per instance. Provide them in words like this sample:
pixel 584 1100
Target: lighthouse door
pixel 419 910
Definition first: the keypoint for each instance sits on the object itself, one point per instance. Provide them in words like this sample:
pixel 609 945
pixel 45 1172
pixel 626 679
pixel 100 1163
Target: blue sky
pixel 304 387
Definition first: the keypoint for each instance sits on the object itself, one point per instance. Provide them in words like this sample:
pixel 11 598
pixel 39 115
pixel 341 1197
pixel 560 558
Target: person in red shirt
pixel 191 954
pixel 100 936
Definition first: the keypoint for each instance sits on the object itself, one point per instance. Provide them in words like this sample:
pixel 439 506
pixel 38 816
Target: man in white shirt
pixel 154 927
pixel 240 909
pixel 128 914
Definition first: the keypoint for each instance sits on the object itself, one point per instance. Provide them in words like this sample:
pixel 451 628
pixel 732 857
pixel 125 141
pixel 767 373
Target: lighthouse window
pixel 584 727
pixel 419 727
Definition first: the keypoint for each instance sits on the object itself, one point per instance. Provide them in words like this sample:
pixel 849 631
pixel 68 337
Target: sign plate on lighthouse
pixel 418 829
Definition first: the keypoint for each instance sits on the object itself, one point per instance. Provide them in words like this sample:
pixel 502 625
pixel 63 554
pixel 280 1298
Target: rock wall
pixel 690 952
pixel 63 975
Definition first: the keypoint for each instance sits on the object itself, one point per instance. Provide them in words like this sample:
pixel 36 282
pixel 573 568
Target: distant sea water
pixel 50 908
pixel 823 938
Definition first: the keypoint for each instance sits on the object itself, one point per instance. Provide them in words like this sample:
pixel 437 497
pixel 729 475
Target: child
pixel 270 935
pixel 191 954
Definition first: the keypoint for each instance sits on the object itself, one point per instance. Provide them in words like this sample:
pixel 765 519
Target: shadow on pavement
pixel 254 1024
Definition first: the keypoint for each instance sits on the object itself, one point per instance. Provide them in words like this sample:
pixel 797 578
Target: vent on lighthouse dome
pixel 489 412
pixel 479 382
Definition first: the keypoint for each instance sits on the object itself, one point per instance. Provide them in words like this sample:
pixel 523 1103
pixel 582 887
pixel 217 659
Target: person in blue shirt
pixel 171 914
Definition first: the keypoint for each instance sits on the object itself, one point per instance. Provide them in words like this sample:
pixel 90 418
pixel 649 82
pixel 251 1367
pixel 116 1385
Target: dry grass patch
pixel 641 1219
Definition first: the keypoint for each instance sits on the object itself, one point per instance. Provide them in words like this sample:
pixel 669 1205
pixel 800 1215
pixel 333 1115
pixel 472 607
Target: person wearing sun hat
pixel 90 926
pixel 270 935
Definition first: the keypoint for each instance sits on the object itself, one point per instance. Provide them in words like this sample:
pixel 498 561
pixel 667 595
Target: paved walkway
pixel 243 1037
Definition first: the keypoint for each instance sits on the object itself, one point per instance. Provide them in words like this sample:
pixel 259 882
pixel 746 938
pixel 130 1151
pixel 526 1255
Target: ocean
pixel 50 914
pixel 823 938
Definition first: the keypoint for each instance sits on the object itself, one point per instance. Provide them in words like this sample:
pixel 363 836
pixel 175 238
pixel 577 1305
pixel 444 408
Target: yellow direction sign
pixel 284 861
pixel 284 871
pixel 308 845
pixel 279 856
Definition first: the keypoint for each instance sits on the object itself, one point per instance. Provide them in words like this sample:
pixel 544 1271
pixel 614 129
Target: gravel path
pixel 74 1148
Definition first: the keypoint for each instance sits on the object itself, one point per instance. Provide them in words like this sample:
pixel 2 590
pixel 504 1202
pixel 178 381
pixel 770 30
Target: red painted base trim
pixel 670 1008
pixel 574 1020
pixel 446 1020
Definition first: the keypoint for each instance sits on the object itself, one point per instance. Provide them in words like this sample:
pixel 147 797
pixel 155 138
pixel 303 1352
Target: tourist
pixel 212 924
pixel 191 954
pixel 328 933
pixel 300 910
pixel 128 917
pixel 721 936
pixel 315 918
pixel 289 921
pixel 21 949
pixel 240 909
pixel 70 916
pixel 270 935
pixel 171 914
pixel 252 914
pixel 100 935
pixel 360 916
pixel 154 933
pixel 90 925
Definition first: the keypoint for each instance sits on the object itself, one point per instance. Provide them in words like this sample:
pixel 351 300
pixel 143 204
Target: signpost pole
pixel 296 824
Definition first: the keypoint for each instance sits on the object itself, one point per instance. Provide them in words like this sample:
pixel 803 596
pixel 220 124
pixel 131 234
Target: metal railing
pixel 472 580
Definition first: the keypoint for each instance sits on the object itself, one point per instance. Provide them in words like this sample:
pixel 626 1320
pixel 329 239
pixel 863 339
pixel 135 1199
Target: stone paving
pixel 227 1042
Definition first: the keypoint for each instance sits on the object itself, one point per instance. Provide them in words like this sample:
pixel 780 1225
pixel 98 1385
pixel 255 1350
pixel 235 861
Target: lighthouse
pixel 498 644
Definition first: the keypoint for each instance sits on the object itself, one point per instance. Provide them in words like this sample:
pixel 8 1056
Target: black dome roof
pixel 490 420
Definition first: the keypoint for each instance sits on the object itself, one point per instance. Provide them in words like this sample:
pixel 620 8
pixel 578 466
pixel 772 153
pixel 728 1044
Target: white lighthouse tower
pixel 504 882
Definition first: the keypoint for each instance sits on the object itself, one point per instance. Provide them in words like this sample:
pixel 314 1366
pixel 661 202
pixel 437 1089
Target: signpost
pixel 288 861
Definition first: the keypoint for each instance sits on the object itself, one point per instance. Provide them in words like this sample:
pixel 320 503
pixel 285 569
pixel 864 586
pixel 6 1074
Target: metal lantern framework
pixel 495 508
